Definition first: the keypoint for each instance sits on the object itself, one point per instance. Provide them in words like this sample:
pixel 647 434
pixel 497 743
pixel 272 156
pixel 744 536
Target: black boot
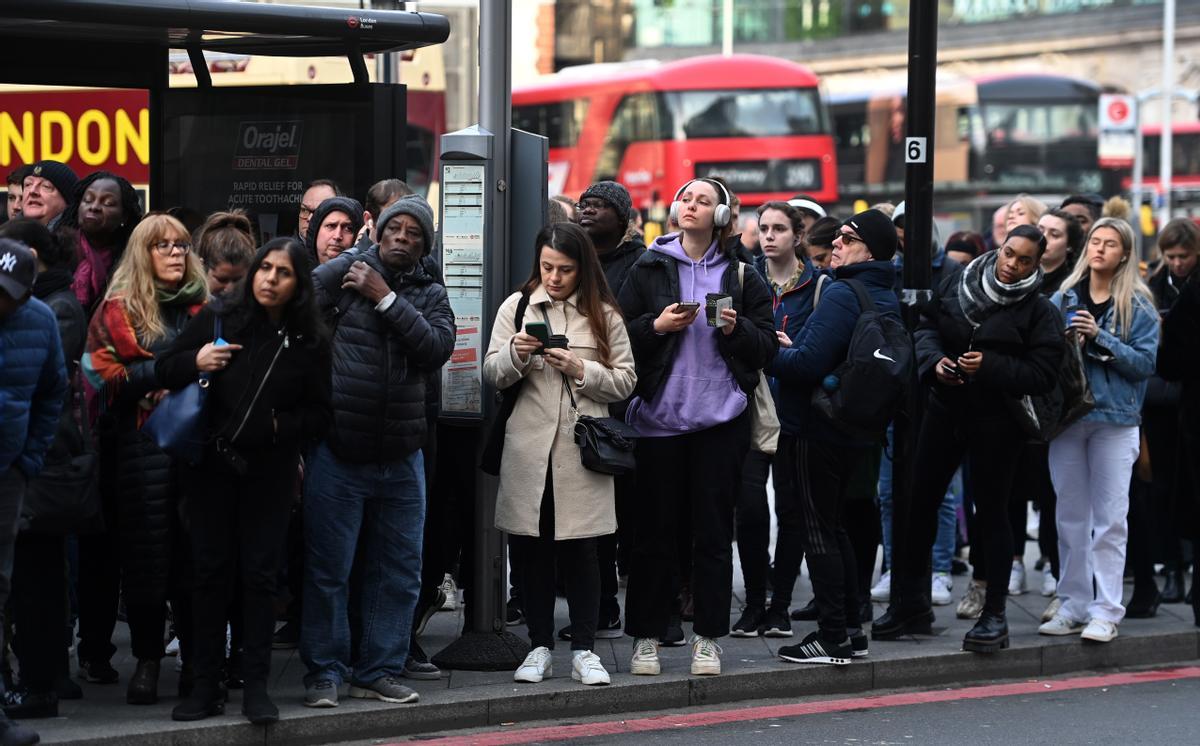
pixel 207 698
pixel 1144 603
pixel 989 634
pixel 807 613
pixel 1172 592
pixel 899 622
pixel 257 705
pixel 21 704
pixel 143 687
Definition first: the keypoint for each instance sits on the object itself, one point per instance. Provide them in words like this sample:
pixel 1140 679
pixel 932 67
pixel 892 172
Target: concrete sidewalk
pixel 751 671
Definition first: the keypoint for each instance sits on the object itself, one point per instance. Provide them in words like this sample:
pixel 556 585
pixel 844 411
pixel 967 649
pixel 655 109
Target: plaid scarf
pixel 981 293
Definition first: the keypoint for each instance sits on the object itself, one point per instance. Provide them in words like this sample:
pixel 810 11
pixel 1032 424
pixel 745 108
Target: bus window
pixel 1039 123
pixel 419 159
pixel 637 119
pixel 747 113
pixel 560 121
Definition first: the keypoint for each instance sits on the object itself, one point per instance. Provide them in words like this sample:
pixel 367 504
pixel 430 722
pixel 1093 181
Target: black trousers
pixel 147 619
pixel 1033 479
pixel 813 479
pixel 239 529
pixel 1161 428
pixel 1139 558
pixel 699 473
pixel 753 516
pixel 993 450
pixel 98 587
pixel 862 521
pixel 539 557
pixel 39 609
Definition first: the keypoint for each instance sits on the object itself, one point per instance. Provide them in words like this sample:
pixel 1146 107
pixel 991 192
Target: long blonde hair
pixel 1127 281
pixel 134 281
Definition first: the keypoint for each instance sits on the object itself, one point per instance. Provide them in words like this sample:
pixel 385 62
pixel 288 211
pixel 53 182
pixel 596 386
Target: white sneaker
pixel 881 592
pixel 1016 578
pixel 1049 584
pixel 706 656
pixel 1099 630
pixel 971 605
pixel 1060 626
pixel 1052 610
pixel 645 657
pixel 587 669
pixel 173 646
pixel 940 591
pixel 451 590
pixel 537 666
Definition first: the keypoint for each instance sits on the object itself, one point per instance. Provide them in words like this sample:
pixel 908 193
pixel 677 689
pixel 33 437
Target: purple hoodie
pixel 699 391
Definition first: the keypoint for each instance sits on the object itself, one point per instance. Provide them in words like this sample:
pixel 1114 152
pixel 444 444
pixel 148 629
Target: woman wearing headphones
pixel 1110 312
pixel 690 407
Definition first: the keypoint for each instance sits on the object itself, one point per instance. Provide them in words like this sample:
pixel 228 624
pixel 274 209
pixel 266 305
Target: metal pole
pixel 1135 189
pixel 917 275
pixel 495 116
pixel 727 28
pixel 1168 87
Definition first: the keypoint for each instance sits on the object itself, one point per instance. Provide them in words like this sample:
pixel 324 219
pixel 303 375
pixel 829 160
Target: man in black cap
pixel 605 211
pixel 33 385
pixel 816 461
pixel 334 227
pixel 48 188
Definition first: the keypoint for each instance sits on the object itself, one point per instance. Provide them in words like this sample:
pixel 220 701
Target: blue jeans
pixel 943 546
pixel 387 503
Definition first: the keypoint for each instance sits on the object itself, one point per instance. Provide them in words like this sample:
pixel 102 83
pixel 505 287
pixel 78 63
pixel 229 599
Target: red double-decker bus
pixel 757 122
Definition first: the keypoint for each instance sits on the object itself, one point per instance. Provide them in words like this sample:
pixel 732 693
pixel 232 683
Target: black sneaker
pixel 859 644
pixel 98 672
pixel 425 612
pixel 321 693
pixel 806 613
pixel 609 626
pixel 749 624
pixel 514 614
pixel 776 623
pixel 417 665
pixel 21 704
pixel 815 650
pixel 674 636
pixel 286 637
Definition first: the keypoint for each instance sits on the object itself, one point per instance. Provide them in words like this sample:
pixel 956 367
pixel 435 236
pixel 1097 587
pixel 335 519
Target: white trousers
pixel 1091 464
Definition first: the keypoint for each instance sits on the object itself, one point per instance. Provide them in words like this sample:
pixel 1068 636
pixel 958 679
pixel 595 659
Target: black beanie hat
pixel 348 205
pixel 614 194
pixel 57 173
pixel 877 230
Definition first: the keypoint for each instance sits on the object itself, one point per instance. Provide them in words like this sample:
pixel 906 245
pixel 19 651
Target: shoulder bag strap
pixel 261 384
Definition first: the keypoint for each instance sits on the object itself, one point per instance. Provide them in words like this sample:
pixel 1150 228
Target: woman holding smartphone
pixel 988 339
pixel 695 381
pixel 577 356
pixel 1110 312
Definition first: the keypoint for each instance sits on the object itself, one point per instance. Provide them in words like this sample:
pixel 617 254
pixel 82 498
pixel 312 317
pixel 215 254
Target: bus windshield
pixel 745 113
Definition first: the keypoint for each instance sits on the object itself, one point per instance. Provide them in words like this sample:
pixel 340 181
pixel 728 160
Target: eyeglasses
pixel 849 238
pixel 166 248
pixel 306 211
pixel 595 205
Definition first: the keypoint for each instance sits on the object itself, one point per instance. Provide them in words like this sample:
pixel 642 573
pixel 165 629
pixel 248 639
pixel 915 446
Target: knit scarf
pixel 981 293
pixel 189 295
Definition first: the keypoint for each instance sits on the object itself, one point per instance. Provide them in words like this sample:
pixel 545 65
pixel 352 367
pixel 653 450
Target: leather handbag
pixel 177 424
pixel 1077 395
pixel 65 497
pixel 605 444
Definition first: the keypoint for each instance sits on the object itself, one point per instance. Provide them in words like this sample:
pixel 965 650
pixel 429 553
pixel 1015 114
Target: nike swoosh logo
pixel 881 356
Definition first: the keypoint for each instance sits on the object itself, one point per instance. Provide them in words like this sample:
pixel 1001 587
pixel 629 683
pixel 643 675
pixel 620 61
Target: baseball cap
pixel 18 268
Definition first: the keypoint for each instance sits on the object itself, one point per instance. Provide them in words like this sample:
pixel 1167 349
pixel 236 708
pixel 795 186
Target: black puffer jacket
pixel 1022 345
pixel 620 260
pixel 381 360
pixel 145 479
pixel 653 284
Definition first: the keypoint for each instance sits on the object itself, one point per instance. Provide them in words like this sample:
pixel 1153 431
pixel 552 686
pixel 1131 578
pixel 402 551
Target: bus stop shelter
pixel 126 44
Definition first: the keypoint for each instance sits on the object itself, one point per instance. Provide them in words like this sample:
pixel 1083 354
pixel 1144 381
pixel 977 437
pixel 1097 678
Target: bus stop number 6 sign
pixel 914 150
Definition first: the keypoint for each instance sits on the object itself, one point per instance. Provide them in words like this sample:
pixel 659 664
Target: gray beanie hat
pixel 415 206
pixel 614 194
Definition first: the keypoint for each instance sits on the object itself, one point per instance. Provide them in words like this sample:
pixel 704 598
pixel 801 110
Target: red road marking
pixel 699 719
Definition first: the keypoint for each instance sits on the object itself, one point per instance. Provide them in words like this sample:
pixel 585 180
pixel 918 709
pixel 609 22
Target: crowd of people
pixel 1050 365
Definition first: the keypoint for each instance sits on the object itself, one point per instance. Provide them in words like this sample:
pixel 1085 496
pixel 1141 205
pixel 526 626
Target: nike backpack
pixel 863 394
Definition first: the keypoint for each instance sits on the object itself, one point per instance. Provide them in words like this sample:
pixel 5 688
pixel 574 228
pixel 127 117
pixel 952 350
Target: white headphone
pixel 721 215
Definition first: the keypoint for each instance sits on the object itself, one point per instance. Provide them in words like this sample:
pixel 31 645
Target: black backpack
pixel 873 381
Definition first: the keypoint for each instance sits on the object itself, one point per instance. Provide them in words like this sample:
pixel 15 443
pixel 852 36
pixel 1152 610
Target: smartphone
pixel 539 330
pixel 1071 310
pixel 955 371
pixel 688 306
pixel 219 342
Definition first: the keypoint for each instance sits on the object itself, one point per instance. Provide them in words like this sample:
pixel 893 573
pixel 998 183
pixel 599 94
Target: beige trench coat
pixel 540 430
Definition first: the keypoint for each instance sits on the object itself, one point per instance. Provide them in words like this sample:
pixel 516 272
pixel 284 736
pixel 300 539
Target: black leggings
pixel 536 570
pixel 754 527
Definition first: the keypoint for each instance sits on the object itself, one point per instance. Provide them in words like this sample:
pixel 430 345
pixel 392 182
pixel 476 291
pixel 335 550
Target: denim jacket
pixel 1118 369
